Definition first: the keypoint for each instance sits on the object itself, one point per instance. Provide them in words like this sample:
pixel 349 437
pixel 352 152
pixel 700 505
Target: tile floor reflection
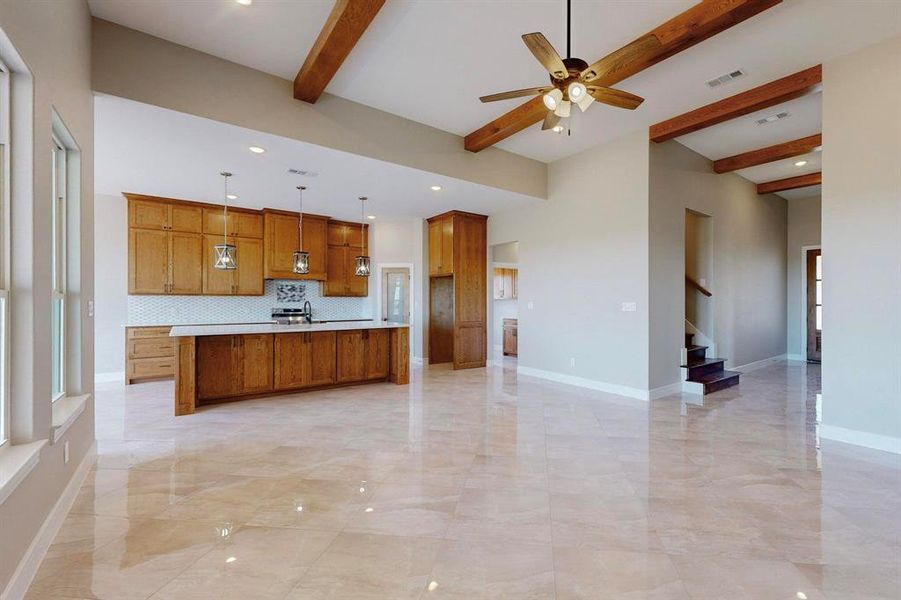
pixel 479 484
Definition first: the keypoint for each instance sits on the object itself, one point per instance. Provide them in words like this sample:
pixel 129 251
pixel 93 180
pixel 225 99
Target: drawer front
pixel 147 332
pixel 151 367
pixel 151 348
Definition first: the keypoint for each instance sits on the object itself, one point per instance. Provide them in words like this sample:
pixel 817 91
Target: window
pixel 4 253
pixel 58 306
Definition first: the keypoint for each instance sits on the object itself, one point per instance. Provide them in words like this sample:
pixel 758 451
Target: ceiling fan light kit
pixel 573 80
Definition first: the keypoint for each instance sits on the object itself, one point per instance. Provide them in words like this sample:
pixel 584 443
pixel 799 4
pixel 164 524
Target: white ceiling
pixel 430 60
pixel 151 150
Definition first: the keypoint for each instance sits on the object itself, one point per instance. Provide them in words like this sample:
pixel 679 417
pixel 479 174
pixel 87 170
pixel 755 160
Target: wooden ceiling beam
pixel 791 183
pixel 768 154
pixel 700 22
pixel 344 27
pixel 769 94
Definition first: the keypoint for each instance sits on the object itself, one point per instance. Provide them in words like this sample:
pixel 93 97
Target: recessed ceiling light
pixel 800 163
pixel 436 188
pixel 232 196
pixel 256 149
pixel 244 2
pixel 371 217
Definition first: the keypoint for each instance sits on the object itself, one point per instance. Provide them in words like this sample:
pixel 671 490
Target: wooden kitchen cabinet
pixel 241 222
pixel 149 212
pixel 441 246
pixel 185 263
pixel 458 289
pixel 363 355
pixel 511 337
pixel 505 284
pixel 246 280
pixel 305 359
pixel 149 354
pixel 148 261
pixel 280 242
pixel 233 365
pixel 345 243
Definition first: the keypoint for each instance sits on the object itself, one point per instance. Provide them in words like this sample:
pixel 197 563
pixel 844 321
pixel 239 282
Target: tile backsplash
pixel 184 310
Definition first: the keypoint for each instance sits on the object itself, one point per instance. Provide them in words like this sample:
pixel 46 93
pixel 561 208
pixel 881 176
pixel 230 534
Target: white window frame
pixel 59 158
pixel 5 124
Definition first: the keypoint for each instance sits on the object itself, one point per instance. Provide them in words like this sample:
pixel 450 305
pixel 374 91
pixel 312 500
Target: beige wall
pixel 141 67
pixel 749 261
pixel 581 255
pixel 862 246
pixel 803 230
pixel 53 39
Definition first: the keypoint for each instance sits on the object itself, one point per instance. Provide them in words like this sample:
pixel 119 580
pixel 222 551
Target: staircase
pixel 708 372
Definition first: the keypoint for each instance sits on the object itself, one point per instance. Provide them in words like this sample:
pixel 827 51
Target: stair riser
pixel 695 372
pixel 698 354
pixel 716 386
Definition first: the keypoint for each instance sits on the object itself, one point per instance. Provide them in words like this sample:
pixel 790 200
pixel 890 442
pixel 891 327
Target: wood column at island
pixel 232 366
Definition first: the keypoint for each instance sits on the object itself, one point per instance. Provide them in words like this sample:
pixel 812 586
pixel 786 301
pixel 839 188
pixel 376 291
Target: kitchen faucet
pixel 308 311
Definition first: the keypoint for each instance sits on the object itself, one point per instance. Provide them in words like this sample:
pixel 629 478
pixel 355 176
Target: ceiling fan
pixel 574 81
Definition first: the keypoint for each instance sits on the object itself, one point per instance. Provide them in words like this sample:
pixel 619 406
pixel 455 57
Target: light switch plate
pixel 90 308
pixel 531 305
pixel 630 307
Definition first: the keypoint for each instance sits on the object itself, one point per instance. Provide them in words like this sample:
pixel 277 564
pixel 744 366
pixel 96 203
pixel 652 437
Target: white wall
pixel 582 254
pixel 862 246
pixel 53 40
pixel 111 285
pixel 803 230
pixel 749 261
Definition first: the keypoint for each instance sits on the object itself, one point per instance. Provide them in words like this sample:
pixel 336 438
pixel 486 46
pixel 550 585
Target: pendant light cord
pixel 362 231
pixel 225 175
pixel 568 26
pixel 300 189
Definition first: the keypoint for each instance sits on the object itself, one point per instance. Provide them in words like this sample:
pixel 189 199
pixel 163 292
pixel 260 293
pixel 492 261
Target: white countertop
pixel 194 330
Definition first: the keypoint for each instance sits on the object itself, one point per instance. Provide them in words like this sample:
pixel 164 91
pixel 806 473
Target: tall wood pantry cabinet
pixel 458 293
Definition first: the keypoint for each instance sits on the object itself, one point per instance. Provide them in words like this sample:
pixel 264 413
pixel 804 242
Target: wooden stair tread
pixel 691 348
pixel 717 376
pixel 703 362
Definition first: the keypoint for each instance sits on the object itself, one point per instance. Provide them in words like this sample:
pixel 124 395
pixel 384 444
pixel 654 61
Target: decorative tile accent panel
pixel 199 310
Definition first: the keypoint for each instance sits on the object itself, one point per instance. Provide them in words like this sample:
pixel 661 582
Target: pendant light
pixel 362 261
pixel 225 252
pixel 301 258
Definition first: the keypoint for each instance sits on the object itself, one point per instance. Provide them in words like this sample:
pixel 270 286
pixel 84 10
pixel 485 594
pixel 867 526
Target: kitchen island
pixel 219 363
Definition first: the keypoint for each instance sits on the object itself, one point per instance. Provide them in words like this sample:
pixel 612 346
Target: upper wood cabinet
pixel 505 283
pixel 146 212
pixel 305 359
pixel 246 280
pixel 164 262
pixel 441 245
pixel 280 241
pixel 241 223
pixel 345 243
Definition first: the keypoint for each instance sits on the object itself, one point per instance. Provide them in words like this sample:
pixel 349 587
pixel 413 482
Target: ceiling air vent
pixel 718 81
pixel 302 172
pixel 773 118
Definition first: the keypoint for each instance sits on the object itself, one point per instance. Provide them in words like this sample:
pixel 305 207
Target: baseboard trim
pixel 117 377
pixel 28 566
pixel 693 387
pixel 753 366
pixel 416 360
pixel 665 390
pixel 800 357
pixel 584 382
pixel 876 441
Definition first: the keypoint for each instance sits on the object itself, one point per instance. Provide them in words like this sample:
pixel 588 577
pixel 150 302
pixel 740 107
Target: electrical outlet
pixel 629 306
pixel 90 308
pixel 531 305
pixel 66 452
pixel 572 362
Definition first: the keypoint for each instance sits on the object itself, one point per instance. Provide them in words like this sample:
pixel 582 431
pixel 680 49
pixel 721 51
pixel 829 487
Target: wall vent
pixel 773 118
pixel 732 76
pixel 302 172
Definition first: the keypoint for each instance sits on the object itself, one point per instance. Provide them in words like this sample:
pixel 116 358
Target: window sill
pixel 16 462
pixel 66 411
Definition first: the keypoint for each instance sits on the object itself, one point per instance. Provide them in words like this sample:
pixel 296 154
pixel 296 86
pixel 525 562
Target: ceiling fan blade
pixel 546 54
pixel 516 94
pixel 615 97
pixel 622 58
pixel 549 121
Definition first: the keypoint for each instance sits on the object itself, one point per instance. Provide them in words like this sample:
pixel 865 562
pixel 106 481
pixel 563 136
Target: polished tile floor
pixel 480 484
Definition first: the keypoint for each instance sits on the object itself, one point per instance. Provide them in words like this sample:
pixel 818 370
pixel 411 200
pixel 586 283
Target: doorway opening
pixel 505 302
pixel 395 298
pixel 814 289
pixel 699 315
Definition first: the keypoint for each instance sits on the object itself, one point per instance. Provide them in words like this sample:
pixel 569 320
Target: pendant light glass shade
pixel 552 98
pixel 361 268
pixel 226 259
pixel 562 109
pixel 301 265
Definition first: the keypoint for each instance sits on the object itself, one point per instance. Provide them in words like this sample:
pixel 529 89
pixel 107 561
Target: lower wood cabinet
pixel 149 353
pixel 304 359
pixel 511 337
pixel 363 355
pixel 233 365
